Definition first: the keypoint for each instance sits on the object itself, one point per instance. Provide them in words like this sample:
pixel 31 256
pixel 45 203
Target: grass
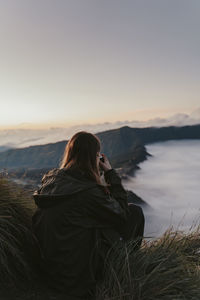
pixel 166 268
pixel 17 268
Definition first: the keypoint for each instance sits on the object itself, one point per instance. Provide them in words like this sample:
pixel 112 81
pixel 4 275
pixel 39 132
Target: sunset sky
pixel 66 62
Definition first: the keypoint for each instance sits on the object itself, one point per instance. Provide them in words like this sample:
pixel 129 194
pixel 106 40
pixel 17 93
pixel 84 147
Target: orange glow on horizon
pixel 136 115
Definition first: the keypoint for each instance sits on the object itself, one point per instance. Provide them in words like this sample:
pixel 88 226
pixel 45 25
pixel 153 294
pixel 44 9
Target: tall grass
pixel 167 268
pixel 17 245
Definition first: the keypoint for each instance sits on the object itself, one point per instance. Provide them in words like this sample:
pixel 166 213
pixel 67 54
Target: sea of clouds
pixel 169 182
pixel 23 137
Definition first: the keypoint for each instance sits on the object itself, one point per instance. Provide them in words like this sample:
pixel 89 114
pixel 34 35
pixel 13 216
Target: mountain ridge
pixel 124 144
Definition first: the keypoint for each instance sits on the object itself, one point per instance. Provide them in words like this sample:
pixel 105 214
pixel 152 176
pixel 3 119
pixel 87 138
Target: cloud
pixel 21 137
pixel 169 182
pixel 196 113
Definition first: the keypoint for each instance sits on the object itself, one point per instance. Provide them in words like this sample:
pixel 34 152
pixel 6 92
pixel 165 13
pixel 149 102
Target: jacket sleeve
pixel 106 209
pixel 116 188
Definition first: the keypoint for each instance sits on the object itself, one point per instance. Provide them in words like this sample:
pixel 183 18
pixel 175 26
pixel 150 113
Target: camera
pixel 102 158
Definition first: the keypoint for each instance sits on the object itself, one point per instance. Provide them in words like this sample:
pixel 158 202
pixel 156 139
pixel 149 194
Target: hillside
pixel 124 146
pixel 114 143
pixel 151 135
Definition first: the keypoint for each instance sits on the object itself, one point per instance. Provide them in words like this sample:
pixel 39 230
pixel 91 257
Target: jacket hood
pixel 59 185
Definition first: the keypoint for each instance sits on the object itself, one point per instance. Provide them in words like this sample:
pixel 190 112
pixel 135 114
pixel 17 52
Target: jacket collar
pixel 59 185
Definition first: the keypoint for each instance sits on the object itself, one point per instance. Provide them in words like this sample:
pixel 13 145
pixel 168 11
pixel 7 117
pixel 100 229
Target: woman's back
pixel 72 213
pixel 78 218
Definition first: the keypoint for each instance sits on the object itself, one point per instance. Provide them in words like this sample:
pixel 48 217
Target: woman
pixel 80 216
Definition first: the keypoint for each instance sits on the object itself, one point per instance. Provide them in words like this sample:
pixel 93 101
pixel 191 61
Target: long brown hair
pixel 81 151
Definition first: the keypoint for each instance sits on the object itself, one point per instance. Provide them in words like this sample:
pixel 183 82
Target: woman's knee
pixel 134 227
pixel 136 212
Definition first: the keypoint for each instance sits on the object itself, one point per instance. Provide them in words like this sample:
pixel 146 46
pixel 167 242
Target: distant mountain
pixel 124 146
pixel 4 148
pixel 151 135
pixel 114 143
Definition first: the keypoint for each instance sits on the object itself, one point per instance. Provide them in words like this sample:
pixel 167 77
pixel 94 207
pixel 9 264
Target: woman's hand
pixel 106 164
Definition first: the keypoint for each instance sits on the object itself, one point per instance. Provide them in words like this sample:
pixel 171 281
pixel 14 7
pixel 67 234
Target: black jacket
pixel 74 223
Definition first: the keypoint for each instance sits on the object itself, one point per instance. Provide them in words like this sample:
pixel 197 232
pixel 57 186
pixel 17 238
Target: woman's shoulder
pixel 63 172
pixel 50 173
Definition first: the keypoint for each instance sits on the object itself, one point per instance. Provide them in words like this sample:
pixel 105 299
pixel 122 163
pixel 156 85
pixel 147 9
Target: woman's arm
pixel 114 180
pixel 116 188
pixel 105 208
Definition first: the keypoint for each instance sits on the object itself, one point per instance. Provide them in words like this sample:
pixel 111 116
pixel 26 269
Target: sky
pixel 65 63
